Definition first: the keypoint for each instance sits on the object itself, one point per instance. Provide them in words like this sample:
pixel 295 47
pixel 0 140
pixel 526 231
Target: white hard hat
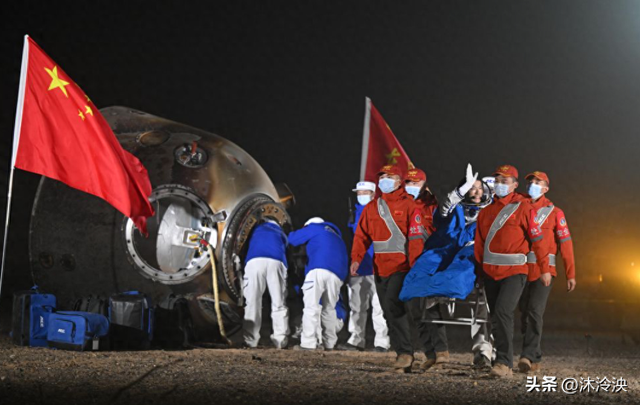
pixel 314 220
pixel 365 186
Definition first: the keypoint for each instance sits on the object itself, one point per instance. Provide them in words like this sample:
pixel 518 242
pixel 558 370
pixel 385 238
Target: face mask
pixel 535 191
pixel 387 185
pixel 364 199
pixel 502 190
pixel 413 190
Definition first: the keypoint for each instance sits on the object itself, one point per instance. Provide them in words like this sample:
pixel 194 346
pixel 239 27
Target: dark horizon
pixel 544 86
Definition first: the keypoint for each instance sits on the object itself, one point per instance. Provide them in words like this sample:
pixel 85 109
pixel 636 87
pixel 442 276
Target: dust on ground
pixel 269 376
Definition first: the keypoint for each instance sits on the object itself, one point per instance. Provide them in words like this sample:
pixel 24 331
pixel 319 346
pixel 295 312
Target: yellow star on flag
pixel 391 157
pixel 56 82
pixel 89 110
pixel 81 115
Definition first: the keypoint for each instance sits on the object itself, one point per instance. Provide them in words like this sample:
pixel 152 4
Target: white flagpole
pixel 16 141
pixel 365 138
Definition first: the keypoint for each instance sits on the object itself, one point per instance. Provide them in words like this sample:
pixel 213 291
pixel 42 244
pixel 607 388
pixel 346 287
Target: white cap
pixel 490 182
pixel 365 186
pixel 314 220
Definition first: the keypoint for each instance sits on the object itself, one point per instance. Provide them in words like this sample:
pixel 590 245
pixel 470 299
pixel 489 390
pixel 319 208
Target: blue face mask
pixel 364 199
pixel 387 185
pixel 535 191
pixel 502 190
pixel 413 190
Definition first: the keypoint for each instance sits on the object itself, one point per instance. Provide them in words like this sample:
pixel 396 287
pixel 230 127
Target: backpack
pixel 30 317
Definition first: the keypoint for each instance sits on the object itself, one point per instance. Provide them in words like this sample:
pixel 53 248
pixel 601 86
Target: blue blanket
pixel 446 268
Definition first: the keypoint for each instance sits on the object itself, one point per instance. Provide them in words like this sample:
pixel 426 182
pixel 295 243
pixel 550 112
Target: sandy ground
pixel 269 376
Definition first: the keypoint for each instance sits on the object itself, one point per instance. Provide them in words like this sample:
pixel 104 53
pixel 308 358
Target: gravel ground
pixel 269 376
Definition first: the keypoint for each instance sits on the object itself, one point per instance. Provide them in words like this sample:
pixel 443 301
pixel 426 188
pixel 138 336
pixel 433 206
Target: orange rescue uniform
pixel 556 236
pixel 519 234
pixel 426 206
pixel 372 227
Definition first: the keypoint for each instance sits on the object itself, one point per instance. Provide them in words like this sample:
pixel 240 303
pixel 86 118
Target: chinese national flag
pixel 61 134
pixel 380 146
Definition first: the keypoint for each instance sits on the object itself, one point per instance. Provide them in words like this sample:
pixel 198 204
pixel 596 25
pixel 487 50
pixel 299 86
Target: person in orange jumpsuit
pixel 394 227
pixel 432 336
pixel 505 234
pixel 533 302
pixel 415 184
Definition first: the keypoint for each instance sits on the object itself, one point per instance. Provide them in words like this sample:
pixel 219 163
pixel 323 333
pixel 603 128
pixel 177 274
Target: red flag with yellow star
pixel 380 146
pixel 61 134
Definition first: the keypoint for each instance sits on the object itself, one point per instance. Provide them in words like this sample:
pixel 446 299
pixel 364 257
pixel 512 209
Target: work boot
pixel 500 370
pixel 524 365
pixel 403 363
pixel 427 364
pixel 348 347
pixel 380 349
pixel 442 357
pixel 438 362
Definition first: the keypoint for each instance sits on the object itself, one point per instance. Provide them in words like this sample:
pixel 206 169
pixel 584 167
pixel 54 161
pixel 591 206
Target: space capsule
pixel 204 187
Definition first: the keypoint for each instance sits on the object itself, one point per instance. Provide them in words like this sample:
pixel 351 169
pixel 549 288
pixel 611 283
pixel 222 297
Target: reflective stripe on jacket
pixel 556 239
pixel 518 235
pixel 372 228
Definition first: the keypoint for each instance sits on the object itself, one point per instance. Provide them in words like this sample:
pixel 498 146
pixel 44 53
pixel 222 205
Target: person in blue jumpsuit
pixel 266 268
pixel 324 275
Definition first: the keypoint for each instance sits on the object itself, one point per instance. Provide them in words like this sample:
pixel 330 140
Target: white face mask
pixel 387 185
pixel 535 191
pixel 413 190
pixel 364 199
pixel 502 190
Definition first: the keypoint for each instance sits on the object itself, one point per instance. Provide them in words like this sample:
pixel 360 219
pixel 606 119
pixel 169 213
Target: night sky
pixel 545 85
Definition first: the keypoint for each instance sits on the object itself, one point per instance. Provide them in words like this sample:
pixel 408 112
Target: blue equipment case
pixel 75 330
pixel 30 318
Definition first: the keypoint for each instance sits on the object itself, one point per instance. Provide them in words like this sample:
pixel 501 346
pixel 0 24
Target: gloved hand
pixel 470 179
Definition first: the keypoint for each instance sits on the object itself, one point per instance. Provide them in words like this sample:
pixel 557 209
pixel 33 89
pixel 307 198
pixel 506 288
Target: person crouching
pixel 266 267
pixel 324 275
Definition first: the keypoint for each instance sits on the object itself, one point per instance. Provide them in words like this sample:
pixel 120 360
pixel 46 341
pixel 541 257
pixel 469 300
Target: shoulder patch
pixel 563 221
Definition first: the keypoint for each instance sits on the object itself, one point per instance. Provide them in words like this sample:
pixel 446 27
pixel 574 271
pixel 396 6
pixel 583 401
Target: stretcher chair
pixel 476 302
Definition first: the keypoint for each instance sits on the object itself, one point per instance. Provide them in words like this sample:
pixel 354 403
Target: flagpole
pixel 365 138
pixel 14 153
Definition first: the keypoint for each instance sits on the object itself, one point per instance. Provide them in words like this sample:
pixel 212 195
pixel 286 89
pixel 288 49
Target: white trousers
pixel 339 326
pixel 362 293
pixel 298 329
pixel 320 284
pixel 259 274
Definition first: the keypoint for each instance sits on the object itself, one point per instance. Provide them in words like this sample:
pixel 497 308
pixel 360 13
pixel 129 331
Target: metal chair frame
pixel 480 299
